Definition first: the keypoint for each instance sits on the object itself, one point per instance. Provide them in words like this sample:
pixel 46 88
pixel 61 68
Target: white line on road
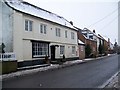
pixel 108 81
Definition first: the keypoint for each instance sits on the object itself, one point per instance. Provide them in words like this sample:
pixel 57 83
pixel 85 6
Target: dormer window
pixel 91 37
pixel 85 34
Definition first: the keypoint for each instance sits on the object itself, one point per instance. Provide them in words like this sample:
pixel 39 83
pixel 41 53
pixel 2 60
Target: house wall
pixel 81 37
pixel 22 38
pixel 106 46
pixel 68 49
pixel 93 45
pixel 51 34
pixel 17 35
pixel 6 25
pixel 98 43
pixel 81 51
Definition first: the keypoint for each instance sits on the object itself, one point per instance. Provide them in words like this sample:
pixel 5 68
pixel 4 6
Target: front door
pixel 52 53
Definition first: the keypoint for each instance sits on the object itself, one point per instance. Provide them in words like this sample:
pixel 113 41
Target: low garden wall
pixel 8 66
pixel 8 63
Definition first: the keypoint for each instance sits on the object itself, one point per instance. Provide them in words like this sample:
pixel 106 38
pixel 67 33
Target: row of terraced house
pixel 34 34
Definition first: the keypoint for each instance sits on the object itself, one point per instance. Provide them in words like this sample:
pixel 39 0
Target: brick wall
pixel 81 51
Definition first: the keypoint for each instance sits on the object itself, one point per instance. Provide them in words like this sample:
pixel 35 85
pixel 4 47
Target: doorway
pixel 52 53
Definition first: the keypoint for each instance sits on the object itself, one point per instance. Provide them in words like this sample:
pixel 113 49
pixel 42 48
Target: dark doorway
pixel 52 53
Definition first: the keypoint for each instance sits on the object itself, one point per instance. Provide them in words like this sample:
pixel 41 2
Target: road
pixel 87 75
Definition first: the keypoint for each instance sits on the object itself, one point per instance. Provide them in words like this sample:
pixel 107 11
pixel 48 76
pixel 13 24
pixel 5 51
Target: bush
pixel 100 49
pixel 88 50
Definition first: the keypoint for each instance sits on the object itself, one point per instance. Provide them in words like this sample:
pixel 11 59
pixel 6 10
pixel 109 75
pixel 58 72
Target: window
pixel 58 32
pixel 82 48
pixel 91 37
pixel 73 49
pixel 40 49
pixel 28 25
pixel 85 34
pixel 62 49
pixel 43 28
pixel 65 34
pixel 72 35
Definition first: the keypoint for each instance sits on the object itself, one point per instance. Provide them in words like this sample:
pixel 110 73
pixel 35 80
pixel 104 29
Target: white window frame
pixel 28 25
pixel 66 34
pixel 72 35
pixel 73 50
pixel 40 49
pixel 58 33
pixel 62 50
pixel 43 28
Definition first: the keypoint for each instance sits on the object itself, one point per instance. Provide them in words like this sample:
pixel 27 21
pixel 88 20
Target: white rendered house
pixel 33 33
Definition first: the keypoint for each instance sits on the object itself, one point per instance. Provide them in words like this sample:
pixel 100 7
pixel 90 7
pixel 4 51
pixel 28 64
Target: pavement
pixel 114 83
pixel 57 66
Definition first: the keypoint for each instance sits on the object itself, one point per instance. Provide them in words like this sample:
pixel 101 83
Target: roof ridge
pixel 43 9
pixel 26 7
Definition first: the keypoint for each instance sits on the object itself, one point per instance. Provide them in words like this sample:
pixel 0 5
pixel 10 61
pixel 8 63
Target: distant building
pixel 89 38
pixel 100 40
pixel 106 44
pixel 33 33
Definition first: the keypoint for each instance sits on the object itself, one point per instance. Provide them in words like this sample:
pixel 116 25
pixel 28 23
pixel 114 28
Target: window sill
pixel 39 56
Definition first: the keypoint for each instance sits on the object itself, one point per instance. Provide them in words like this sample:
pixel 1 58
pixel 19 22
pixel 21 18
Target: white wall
pixel 18 34
pixel 68 50
pixel 6 25
pixel 27 52
pixel 51 35
pixel 23 45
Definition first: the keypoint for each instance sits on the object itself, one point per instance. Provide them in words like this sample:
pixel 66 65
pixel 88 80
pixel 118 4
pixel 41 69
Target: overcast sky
pixel 101 15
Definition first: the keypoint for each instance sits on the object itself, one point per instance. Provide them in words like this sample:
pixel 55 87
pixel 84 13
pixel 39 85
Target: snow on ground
pixel 109 54
pixel 52 66
pixel 88 59
pixel 24 72
pixel 40 69
pixel 72 62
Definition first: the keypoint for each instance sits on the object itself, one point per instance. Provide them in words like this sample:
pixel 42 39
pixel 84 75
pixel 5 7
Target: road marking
pixel 108 81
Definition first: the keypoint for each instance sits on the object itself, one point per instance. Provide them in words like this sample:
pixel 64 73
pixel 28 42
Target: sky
pixel 98 15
